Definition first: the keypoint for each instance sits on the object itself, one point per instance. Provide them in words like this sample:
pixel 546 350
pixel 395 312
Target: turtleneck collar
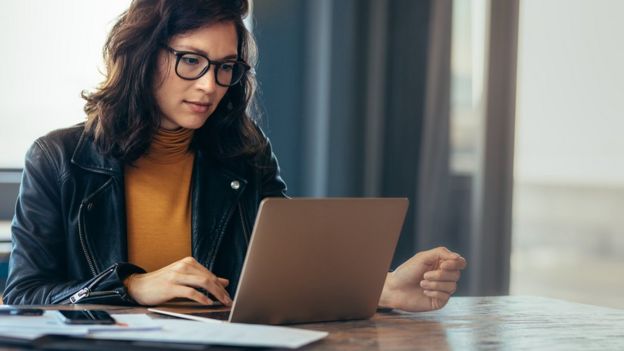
pixel 169 146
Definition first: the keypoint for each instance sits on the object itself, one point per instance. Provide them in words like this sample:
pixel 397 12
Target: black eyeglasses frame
pixel 180 53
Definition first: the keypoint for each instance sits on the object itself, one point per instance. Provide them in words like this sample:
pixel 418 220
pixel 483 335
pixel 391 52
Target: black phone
pixel 86 317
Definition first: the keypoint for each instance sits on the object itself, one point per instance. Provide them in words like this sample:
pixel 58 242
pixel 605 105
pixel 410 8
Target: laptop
pixel 316 260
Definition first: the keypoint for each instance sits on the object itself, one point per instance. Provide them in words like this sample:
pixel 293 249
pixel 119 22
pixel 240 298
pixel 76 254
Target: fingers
pixel 188 272
pixel 192 294
pixel 444 253
pixel 433 256
pixel 224 282
pixel 438 298
pixel 210 283
pixel 447 287
pixel 456 264
pixel 442 275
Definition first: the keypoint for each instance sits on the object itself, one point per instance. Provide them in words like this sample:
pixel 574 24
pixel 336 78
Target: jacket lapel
pixel 86 156
pixel 102 212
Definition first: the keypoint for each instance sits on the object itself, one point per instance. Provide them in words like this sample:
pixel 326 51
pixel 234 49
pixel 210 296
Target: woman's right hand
pixel 179 279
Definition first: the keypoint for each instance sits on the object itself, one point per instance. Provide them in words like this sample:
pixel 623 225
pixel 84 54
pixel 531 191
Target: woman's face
pixel 189 103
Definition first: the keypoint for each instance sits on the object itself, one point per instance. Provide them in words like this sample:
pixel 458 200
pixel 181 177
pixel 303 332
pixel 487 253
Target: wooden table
pixel 485 323
pixel 477 323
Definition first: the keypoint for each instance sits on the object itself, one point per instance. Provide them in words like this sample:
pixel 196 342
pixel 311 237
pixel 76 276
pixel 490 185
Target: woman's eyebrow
pixel 200 51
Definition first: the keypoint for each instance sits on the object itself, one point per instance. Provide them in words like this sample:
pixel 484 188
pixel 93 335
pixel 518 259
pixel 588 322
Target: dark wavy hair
pixel 122 113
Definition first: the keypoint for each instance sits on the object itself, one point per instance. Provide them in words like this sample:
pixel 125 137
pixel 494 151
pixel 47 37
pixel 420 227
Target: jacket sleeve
pixel 37 265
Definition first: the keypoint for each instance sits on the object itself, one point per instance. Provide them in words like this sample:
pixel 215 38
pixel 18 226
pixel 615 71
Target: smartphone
pixel 86 317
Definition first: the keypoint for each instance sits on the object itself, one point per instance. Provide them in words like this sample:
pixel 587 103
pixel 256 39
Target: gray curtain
pixel 344 115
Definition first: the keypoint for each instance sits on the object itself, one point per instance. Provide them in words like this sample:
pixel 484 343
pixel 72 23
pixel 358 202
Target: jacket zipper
pixel 86 291
pixel 219 238
pixel 83 240
pixel 81 231
pixel 245 235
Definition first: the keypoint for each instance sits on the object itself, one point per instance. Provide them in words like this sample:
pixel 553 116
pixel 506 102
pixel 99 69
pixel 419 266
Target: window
pixel 51 51
pixel 467 83
pixel 568 233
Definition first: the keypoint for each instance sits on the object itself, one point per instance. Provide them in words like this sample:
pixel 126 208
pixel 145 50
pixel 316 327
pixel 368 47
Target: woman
pixel 153 198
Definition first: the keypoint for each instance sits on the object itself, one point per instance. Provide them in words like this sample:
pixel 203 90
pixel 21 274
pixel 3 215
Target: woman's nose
pixel 207 82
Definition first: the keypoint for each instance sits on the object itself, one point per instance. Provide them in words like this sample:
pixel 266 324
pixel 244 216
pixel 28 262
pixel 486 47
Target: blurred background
pixel 500 120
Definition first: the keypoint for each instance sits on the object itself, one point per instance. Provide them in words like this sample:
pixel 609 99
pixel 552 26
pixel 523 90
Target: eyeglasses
pixel 191 65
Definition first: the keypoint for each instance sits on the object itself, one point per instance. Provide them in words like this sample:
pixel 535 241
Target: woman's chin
pixel 187 122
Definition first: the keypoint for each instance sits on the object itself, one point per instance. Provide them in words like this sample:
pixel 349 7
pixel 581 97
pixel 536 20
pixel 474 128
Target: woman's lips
pixel 198 107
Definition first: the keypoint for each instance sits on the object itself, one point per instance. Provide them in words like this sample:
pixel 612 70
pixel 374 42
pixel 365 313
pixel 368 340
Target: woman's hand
pixel 179 279
pixel 425 282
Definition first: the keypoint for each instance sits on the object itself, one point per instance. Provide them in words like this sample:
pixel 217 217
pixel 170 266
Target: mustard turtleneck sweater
pixel 158 206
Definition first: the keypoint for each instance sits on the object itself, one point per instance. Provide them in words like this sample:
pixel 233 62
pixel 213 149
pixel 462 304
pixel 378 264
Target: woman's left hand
pixel 425 282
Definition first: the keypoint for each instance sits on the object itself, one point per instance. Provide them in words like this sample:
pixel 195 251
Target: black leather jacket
pixel 69 229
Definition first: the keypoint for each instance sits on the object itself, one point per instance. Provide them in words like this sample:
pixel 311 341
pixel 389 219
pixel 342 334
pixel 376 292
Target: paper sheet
pixel 142 327
pixel 229 334
pixel 32 327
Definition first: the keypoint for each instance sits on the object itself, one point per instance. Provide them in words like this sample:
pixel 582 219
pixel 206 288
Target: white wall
pixel 51 51
pixel 570 108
